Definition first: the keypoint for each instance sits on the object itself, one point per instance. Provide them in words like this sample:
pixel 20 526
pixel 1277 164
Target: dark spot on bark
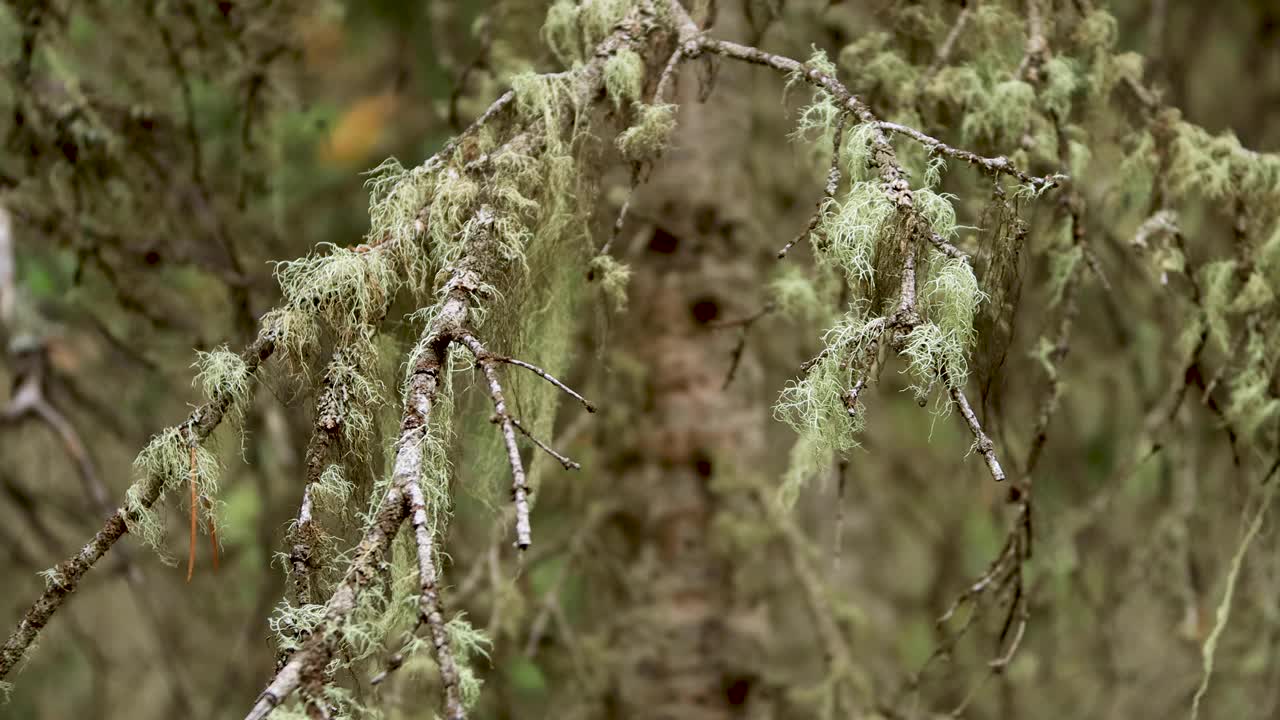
pixel 151 258
pixel 702 466
pixel 663 242
pixel 737 690
pixel 705 310
pixel 704 219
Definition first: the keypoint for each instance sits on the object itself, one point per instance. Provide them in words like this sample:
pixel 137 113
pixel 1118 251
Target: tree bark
pixel 695 265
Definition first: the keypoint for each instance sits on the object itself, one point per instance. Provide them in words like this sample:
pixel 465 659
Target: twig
pixel 744 328
pixel 545 376
pixel 948 249
pixel 566 462
pixel 519 483
pixel 981 442
pixel 999 165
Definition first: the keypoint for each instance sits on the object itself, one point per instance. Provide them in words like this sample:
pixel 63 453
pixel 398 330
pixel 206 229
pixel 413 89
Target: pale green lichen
pixel 949 300
pixel 1063 265
pixel 223 377
pixel 933 171
pixel 614 278
pixel 166 461
pixel 938 211
pixel 295 331
pixel 1061 81
pixel 1252 405
pixel 598 18
pixel 560 31
pixel 874 60
pixel 347 288
pixel 1256 294
pixel 624 77
pixel 397 197
pixel 648 136
pixel 796 294
pixel 1003 111
pixel 924 349
pixel 452 206
pixel 468 644
pixel 818 405
pixel 851 229
pixel 855 151
pixel 1218 288
pixel 332 490
pixel 814 405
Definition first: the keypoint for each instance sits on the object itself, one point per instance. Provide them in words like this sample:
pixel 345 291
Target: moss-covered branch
pixel 66 576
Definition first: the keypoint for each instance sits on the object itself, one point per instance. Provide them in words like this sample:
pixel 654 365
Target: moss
pixel 167 461
pixel 223 376
pixel 561 32
pixel 624 77
pixel 850 232
pixel 1061 81
pixel 649 135
pixel 949 299
pixel 1004 111
pixel 1218 283
pixel 614 277
pixel 296 333
pixel 598 18
pixel 468 644
pixel 347 288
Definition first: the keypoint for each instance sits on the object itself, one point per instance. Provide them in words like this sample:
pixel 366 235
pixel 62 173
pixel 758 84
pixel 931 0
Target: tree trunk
pixel 695 265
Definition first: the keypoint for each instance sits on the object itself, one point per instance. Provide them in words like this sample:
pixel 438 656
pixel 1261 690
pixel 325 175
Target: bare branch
pixel 519 483
pixel 566 462
pixel 981 442
pixel 545 376
pixel 429 606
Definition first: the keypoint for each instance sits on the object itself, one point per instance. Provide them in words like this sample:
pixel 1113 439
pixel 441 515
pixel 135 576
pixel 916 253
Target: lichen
pixel 851 229
pixel 649 134
pixel 624 77
pixel 347 288
pixel 223 377
pixel 614 277
pixel 166 462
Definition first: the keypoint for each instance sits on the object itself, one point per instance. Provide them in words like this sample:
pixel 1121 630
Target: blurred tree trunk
pixel 696 265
